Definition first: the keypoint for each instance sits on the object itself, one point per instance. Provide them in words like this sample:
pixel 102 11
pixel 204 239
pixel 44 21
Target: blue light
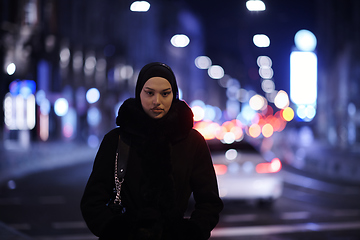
pixel 92 95
pixel 61 107
pixel 305 40
pixel 23 87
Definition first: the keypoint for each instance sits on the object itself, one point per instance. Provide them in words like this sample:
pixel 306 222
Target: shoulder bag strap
pixel 121 160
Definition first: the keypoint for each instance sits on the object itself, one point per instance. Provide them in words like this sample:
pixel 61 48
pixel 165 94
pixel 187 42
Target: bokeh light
pixel 266 72
pixel 65 55
pixel 257 102
pixel 203 62
pixel 261 40
pixel 255 5
pixel 11 68
pixel 180 40
pixel 267 130
pixel 61 107
pixel 90 63
pixel 229 138
pixel 92 95
pixel 281 100
pixel 216 72
pixel 288 114
pixel 254 130
pixel 305 40
pixel 264 61
pixel 268 86
pixel 306 112
pixel 199 113
pixel 231 154
pixel 140 6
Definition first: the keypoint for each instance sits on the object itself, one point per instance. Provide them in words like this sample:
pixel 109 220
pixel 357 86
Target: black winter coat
pixel 162 173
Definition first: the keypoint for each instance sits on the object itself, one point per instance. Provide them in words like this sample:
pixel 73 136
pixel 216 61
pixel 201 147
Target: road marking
pixel 240 218
pixel 276 229
pixel 52 200
pixel 294 215
pixel 69 225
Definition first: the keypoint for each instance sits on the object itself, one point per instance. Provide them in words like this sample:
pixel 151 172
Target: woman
pixel 167 162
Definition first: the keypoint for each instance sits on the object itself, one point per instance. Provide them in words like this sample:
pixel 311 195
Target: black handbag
pixel 122 152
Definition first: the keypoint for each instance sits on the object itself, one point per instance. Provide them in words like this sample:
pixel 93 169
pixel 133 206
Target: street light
pixel 255 5
pixel 11 68
pixel 261 40
pixel 180 40
pixel 140 6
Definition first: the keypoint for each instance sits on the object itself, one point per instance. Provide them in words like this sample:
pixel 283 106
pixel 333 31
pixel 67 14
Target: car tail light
pixel 220 169
pixel 271 167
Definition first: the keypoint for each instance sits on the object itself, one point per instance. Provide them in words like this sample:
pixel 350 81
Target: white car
pixel 243 173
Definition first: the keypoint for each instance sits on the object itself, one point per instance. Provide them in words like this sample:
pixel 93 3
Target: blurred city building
pixel 84 57
pixel 68 65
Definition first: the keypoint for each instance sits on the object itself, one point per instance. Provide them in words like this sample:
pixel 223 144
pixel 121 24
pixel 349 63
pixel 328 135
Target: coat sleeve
pixel 99 189
pixel 208 204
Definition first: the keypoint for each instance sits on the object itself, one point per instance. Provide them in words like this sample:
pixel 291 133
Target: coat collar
pixel 137 126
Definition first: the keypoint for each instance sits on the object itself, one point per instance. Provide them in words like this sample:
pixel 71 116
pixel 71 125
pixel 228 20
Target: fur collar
pixel 136 126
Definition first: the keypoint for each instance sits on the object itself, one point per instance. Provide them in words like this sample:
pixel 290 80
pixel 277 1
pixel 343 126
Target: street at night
pixel 272 87
pixel 45 205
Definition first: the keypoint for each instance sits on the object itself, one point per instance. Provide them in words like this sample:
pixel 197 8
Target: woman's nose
pixel 156 99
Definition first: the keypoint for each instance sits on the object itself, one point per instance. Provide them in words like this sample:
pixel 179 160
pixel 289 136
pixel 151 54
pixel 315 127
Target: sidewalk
pixel 17 161
pixel 319 159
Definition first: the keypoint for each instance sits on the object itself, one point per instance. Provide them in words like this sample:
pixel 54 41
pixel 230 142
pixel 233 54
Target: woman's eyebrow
pixel 166 89
pixel 147 88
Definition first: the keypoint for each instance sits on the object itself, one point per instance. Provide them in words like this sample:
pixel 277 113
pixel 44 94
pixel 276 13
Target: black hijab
pixel 156 69
pixel 137 125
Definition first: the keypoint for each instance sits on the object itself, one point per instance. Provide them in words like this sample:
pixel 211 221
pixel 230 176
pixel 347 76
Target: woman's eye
pixel 166 94
pixel 149 93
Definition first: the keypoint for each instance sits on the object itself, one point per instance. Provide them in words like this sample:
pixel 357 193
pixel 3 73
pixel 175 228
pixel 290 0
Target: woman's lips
pixel 157 110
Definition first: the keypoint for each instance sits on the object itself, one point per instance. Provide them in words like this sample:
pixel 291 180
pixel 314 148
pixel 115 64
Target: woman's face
pixel 156 97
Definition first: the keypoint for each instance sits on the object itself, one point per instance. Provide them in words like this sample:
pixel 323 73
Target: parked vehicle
pixel 244 174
